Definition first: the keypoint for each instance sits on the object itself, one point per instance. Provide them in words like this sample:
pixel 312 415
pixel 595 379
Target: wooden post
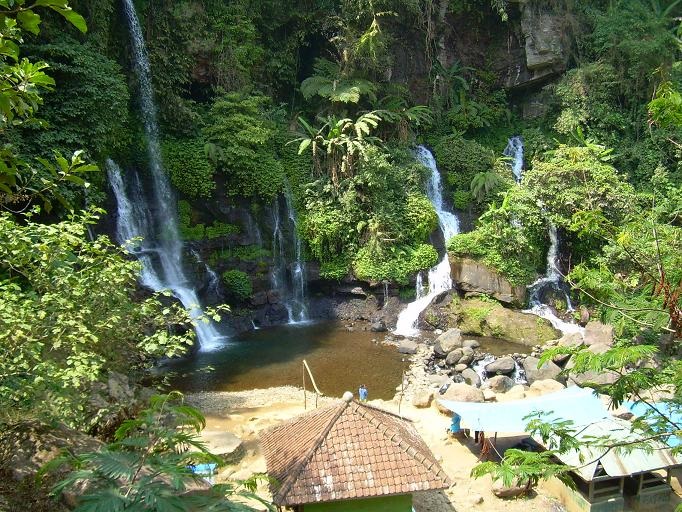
pixel 622 485
pixel 305 399
pixel 312 379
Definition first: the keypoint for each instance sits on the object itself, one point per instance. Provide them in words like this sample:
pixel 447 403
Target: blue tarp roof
pixel 642 409
pixel 580 405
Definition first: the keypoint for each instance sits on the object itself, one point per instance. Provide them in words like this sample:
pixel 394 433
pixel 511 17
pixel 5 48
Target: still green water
pixel 340 361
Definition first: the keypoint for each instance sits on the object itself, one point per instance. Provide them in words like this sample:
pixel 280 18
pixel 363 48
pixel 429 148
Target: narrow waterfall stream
pixel 438 276
pixel 153 217
pixel 288 278
pixel 514 150
pixel 552 278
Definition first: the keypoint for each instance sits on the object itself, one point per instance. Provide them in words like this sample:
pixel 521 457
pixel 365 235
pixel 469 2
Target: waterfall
pixel 288 279
pixel 552 279
pixel 514 150
pixel 439 276
pixel 213 279
pixel 154 219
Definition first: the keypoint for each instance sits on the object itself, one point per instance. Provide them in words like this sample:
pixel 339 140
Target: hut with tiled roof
pixel 349 456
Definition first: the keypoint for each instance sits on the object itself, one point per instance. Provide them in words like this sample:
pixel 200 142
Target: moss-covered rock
pixel 487 317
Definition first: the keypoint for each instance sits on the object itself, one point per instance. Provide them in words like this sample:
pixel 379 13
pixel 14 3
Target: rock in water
pixel 471 377
pixel 501 366
pixel 454 357
pixel 407 347
pixel 447 342
pixel 378 326
pixel 549 370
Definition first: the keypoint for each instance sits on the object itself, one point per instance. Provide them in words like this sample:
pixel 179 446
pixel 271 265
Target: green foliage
pixel 635 41
pixel 334 270
pixel 149 466
pixel 90 103
pixel 188 168
pixel 339 144
pixel 241 145
pixel 54 339
pixel 461 161
pixel 522 468
pixel 238 284
pixel 21 84
pixel 330 84
pixel 239 253
pixel 515 249
pixel 579 179
pixel 378 218
pixel 189 230
pixel 397 265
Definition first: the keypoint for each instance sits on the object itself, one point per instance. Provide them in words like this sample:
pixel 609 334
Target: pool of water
pixel 499 347
pixel 339 359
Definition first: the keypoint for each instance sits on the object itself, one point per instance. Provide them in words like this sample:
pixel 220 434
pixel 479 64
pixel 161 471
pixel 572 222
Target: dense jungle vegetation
pixel 257 96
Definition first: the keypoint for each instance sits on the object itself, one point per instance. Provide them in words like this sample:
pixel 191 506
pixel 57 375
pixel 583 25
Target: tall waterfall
pixel 438 276
pixel 514 150
pixel 288 278
pixel 153 217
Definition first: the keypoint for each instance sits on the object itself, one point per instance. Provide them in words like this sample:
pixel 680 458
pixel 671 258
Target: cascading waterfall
pixel 154 219
pixel 552 280
pixel 290 280
pixel 438 276
pixel 213 279
pixel 514 150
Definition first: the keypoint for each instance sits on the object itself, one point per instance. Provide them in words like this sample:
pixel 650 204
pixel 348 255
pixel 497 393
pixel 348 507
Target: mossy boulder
pixel 486 317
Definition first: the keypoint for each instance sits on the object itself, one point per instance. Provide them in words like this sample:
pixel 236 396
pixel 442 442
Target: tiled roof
pixel 347 450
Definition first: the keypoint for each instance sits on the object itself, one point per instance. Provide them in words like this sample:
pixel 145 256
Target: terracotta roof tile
pixel 347 450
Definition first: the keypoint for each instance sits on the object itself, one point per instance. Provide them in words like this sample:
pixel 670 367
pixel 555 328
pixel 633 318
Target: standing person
pixel 362 392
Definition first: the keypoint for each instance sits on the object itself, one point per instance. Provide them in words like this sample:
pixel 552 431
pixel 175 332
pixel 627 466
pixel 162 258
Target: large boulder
pixel 548 370
pixel 475 278
pixel 460 392
pixel 597 333
pixel 447 342
pixel 501 366
pixel 519 327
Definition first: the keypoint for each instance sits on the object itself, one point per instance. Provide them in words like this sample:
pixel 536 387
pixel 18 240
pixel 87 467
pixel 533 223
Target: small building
pixel 349 456
pixel 608 480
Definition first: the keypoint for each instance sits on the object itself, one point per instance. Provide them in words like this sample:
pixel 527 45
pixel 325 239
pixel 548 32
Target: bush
pixel 187 167
pixel 238 284
pixel 396 265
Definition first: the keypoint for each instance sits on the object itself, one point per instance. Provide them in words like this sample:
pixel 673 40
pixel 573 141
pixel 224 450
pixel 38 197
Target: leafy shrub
pixel 187 167
pixel 199 231
pixel 89 107
pixel 220 229
pixel 420 216
pixel 238 284
pixel 334 270
pixel 396 265
pixel 511 238
pixel 241 145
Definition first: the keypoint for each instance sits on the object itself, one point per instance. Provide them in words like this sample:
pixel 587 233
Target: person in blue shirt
pixel 362 392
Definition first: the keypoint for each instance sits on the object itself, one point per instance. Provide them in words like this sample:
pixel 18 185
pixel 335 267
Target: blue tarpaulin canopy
pixel 580 405
pixel 642 409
